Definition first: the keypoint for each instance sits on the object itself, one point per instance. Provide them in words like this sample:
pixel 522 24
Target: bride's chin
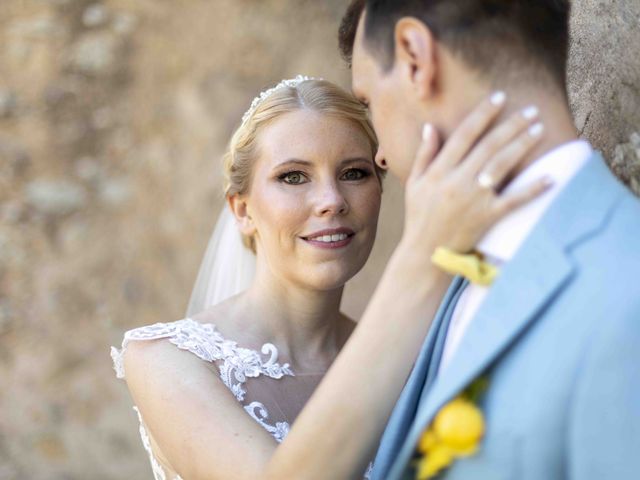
pixel 332 278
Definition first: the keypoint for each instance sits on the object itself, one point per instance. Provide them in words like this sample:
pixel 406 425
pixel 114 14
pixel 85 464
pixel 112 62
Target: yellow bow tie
pixel 471 266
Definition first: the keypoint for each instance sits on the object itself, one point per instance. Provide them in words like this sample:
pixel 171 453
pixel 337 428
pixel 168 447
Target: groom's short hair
pixel 495 37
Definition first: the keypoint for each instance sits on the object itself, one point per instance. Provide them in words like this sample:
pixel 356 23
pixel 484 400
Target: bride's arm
pixel 347 414
pixel 205 434
pixel 199 428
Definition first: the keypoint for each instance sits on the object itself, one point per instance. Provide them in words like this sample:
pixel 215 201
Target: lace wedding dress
pixel 269 392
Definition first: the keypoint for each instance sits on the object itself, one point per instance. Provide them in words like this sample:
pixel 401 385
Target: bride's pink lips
pixel 310 239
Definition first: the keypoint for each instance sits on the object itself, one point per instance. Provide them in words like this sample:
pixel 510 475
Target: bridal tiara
pixel 291 82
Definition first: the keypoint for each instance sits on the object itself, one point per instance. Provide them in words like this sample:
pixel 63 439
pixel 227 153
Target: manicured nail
pixel 427 131
pixel 536 129
pixel 530 112
pixel 498 98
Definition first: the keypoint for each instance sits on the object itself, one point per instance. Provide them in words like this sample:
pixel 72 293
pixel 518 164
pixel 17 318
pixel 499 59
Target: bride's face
pixel 314 199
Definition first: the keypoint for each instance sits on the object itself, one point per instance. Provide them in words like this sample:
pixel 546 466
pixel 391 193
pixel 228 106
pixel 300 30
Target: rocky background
pixel 113 116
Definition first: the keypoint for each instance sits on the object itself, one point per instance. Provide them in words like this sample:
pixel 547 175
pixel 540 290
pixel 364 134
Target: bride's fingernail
pixel 427 131
pixel 536 129
pixel 498 98
pixel 530 112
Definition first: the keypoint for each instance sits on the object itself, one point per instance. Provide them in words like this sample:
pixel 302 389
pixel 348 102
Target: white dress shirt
pixel 502 242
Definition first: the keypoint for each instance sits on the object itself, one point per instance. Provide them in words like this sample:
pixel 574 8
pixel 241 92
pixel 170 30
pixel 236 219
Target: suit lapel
pixel 421 377
pixel 438 345
pixel 527 284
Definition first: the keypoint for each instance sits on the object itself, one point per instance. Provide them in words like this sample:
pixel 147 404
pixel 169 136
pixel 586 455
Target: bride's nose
pixel 330 201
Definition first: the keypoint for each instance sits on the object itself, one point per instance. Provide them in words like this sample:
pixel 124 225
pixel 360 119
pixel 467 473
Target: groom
pixel 557 335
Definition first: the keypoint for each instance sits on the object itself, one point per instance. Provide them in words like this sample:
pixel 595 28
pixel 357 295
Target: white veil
pixel 228 266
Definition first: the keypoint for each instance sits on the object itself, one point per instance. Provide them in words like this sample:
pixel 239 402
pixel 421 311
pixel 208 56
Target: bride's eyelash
pixel 363 172
pixel 283 176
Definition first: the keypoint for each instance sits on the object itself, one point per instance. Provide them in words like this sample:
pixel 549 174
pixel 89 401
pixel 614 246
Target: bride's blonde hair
pixel 314 94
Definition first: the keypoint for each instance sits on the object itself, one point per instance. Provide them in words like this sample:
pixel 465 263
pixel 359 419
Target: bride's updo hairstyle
pixel 309 94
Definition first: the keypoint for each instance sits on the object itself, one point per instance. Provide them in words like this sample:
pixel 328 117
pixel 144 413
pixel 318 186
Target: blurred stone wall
pixel 604 81
pixel 113 116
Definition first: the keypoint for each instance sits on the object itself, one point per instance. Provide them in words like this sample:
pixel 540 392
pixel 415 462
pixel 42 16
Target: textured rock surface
pixel 113 115
pixel 604 80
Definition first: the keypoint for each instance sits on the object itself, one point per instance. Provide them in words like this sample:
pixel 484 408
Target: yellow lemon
pixel 437 459
pixel 459 425
pixel 428 441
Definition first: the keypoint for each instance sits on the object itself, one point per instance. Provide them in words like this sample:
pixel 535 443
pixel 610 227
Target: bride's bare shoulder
pixel 228 317
pixel 164 346
pixel 220 314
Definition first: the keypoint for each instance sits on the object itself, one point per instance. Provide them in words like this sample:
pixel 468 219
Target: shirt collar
pixel 560 164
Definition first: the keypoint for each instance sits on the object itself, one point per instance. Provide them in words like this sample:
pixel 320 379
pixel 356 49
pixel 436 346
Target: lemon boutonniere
pixel 455 432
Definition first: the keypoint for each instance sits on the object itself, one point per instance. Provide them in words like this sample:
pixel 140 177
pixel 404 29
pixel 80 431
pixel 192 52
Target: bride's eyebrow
pixel 350 161
pixel 293 162
pixel 305 163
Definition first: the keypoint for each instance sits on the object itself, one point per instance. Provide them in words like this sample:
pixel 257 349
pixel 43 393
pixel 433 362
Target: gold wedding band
pixel 485 181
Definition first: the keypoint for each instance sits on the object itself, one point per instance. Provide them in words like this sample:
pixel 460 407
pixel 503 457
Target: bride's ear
pixel 240 209
pixel 415 54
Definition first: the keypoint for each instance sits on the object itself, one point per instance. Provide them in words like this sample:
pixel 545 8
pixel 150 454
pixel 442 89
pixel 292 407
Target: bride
pixel 264 343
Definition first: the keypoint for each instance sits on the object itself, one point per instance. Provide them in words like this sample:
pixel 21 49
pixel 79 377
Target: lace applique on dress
pixel 369 472
pixel 236 364
pixel 158 471
pixel 279 431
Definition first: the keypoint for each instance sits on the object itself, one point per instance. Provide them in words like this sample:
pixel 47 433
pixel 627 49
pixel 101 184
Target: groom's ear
pixel 415 55
pixel 240 208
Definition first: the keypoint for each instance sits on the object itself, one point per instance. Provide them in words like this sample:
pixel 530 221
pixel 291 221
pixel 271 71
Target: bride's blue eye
pixel 354 174
pixel 293 178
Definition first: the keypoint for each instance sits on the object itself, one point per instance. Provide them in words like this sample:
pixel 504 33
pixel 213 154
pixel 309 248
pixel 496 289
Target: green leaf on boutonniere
pixel 476 389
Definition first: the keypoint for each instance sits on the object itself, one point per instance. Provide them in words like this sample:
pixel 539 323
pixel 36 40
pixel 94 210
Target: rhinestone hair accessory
pixel 291 82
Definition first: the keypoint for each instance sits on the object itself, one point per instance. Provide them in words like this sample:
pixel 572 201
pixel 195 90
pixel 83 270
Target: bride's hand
pixel 451 200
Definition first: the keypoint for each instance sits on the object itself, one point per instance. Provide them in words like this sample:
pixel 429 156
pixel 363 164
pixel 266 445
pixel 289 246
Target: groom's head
pixel 418 61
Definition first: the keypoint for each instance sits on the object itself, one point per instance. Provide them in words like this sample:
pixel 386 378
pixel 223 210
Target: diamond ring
pixel 485 181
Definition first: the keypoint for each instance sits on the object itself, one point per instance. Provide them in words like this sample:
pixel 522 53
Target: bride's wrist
pixel 418 248
pixel 413 259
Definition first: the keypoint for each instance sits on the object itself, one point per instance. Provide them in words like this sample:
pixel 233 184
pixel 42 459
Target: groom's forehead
pixel 362 62
pixel 359 79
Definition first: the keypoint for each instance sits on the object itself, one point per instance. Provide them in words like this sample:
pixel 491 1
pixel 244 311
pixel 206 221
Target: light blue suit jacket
pixel 559 337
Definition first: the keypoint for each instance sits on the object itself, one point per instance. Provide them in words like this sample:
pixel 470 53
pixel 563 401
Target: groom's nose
pixel 380 159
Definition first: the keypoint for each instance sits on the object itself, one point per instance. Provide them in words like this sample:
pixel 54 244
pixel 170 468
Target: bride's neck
pixel 300 321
